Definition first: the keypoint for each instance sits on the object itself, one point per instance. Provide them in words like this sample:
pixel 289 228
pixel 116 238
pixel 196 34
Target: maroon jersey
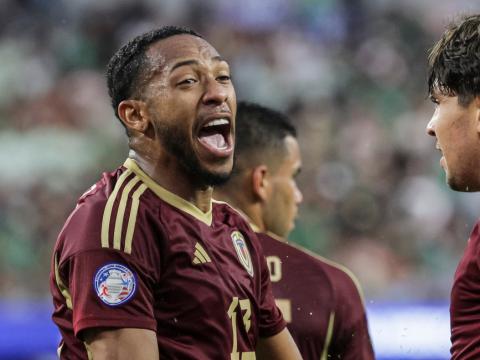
pixel 320 301
pixel 465 303
pixel 133 255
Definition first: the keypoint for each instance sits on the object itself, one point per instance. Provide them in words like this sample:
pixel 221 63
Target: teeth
pixel 217 122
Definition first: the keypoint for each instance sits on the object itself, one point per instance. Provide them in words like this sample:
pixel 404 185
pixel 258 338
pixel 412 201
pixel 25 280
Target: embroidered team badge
pixel 242 251
pixel 114 284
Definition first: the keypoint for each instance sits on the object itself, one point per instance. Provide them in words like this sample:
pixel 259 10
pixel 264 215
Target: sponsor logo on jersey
pixel 242 251
pixel 114 284
pixel 200 256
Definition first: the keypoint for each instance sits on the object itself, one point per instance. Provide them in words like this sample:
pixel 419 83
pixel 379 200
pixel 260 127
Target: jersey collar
pixel 169 197
pixel 254 227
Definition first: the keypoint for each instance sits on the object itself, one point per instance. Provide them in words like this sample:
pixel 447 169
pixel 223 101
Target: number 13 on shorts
pixel 246 310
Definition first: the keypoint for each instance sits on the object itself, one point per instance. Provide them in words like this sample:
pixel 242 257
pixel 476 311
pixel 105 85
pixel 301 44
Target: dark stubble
pixel 176 143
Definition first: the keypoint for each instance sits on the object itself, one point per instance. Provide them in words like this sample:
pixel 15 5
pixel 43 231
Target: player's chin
pixel 461 184
pixel 217 175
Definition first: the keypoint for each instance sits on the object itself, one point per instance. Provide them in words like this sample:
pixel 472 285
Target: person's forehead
pixel 290 159
pixel 180 47
pixel 292 145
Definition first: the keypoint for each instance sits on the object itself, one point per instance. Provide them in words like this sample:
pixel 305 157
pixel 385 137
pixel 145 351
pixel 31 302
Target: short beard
pixel 176 144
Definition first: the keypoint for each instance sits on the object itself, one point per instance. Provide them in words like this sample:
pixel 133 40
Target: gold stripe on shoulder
pixel 170 197
pixel 133 217
pixel 328 337
pixel 248 355
pixel 117 236
pixel 62 287
pixel 107 213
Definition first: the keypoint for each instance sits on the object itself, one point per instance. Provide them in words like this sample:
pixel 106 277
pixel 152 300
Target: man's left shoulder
pixel 343 279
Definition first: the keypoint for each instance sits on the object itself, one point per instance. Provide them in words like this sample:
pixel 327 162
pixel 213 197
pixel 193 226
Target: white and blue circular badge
pixel 114 284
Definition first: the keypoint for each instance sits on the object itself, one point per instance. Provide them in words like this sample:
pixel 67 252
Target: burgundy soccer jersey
pixel 320 302
pixel 133 255
pixel 465 302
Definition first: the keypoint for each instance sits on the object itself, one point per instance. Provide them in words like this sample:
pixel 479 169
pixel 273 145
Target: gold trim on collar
pixel 169 197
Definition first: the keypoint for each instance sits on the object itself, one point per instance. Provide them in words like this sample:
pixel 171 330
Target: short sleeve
pixel 271 319
pixel 109 289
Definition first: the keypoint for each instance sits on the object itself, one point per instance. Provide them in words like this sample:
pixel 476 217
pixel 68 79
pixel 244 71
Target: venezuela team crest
pixel 242 251
pixel 114 284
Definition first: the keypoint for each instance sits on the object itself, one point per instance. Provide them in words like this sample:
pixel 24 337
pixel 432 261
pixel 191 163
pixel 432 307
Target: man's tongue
pixel 215 141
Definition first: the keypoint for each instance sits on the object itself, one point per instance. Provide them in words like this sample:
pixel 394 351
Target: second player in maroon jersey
pixel 320 300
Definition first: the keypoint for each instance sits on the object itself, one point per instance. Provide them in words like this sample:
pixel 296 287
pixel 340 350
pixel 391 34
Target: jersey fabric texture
pixel 465 303
pixel 320 301
pixel 133 255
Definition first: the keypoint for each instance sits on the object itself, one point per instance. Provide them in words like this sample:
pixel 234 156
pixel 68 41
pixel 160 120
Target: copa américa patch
pixel 114 284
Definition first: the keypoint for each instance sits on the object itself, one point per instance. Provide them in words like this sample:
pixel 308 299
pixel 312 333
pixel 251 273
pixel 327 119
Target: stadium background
pixel 351 74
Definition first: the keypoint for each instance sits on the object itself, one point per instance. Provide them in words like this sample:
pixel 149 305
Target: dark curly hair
pixel 454 61
pixel 129 65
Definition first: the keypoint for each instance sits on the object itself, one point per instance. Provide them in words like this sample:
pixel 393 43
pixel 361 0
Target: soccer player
pixel 146 266
pixel 319 299
pixel 454 87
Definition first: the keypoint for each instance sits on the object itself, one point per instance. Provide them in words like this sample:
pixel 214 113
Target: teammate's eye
pixel 434 100
pixel 224 78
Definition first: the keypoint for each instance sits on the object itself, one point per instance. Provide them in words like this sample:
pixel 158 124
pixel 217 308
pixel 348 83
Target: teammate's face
pixel 192 102
pixel 281 206
pixel 457 130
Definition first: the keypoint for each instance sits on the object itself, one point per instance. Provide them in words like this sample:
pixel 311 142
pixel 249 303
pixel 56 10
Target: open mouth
pixel 215 135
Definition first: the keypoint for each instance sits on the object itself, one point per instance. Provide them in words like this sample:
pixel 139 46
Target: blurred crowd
pixel 350 73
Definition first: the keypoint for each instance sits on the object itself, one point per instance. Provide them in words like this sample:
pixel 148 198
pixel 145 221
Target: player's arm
pixel 278 347
pixel 122 344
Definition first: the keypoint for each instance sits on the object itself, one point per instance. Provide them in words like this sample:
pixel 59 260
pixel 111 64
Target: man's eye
pixel 224 78
pixel 434 100
pixel 189 81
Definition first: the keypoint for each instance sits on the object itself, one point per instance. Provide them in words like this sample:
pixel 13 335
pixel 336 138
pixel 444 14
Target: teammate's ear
pixel 260 182
pixel 133 114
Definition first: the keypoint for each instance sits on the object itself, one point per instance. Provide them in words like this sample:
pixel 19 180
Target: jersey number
pixel 232 314
pixel 275 268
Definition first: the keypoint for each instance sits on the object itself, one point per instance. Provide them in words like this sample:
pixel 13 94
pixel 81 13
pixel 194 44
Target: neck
pixel 249 209
pixel 168 174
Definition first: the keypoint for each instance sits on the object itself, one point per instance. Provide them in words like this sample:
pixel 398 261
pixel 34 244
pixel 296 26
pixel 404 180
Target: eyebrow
pixel 217 58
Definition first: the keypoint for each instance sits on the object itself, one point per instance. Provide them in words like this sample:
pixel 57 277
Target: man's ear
pixel 260 182
pixel 134 115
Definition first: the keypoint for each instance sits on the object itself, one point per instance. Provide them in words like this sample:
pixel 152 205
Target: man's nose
pixel 298 196
pixel 431 124
pixel 215 92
